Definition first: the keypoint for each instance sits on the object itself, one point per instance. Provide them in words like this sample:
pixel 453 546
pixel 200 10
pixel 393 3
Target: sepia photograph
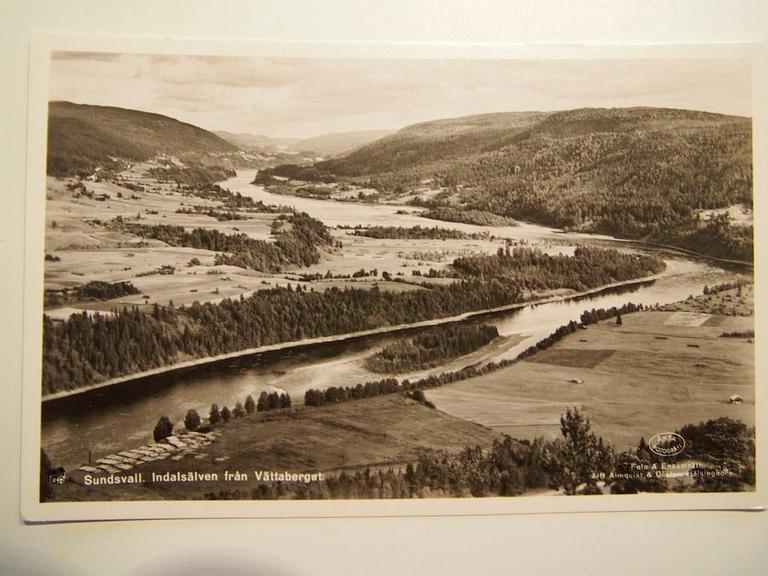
pixel 275 278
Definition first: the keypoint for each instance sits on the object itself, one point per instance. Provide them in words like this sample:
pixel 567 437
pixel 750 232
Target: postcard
pixel 269 280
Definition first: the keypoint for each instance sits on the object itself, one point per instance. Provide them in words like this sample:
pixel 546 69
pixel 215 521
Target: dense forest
pixel 298 237
pixel 640 173
pixel 292 172
pixel 219 215
pixel 94 290
pixel 468 216
pixel 717 237
pixel 589 267
pixel 415 233
pixel 194 176
pixel 86 349
pixel 431 347
pixel 577 462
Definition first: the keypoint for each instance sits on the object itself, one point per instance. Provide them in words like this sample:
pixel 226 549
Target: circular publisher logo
pixel 667 444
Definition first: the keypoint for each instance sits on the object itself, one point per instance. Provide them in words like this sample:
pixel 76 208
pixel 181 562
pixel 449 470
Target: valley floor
pixel 655 372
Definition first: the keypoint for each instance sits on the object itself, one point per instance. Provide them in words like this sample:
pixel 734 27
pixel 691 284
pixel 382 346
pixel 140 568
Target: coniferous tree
pixel 263 402
pixel 163 429
pixel 214 416
pixel 192 420
pixel 226 414
pixel 578 460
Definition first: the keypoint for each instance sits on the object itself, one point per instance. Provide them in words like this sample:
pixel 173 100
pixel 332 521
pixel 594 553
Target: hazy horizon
pixel 305 97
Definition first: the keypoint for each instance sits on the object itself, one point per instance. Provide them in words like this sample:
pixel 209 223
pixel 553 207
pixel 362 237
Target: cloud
pixel 219 70
pixel 308 96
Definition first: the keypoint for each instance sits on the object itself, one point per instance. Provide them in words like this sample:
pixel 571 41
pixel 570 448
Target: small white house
pixel 735 399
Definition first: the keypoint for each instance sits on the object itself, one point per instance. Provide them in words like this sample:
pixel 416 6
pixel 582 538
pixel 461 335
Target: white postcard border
pixel 34 511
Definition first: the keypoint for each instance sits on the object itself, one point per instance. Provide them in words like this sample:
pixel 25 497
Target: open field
pixel 726 303
pixel 403 257
pixel 738 214
pixel 69 219
pixel 398 255
pixel 88 251
pixel 387 431
pixel 680 373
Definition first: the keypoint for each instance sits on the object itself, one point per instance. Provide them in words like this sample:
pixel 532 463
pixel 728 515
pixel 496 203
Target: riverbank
pixel 124 380
pixel 656 371
pixel 324 209
pixel 388 432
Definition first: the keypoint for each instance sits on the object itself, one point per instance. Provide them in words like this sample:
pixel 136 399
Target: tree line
pixel 431 347
pixel 578 462
pixel 597 171
pixel 233 200
pixel 191 175
pixel 296 245
pixel 478 217
pixel 390 385
pixel 415 233
pixel 219 215
pixel 596 315
pixel 589 267
pixel 94 290
pixel 86 349
pixel 193 422
pixel 336 394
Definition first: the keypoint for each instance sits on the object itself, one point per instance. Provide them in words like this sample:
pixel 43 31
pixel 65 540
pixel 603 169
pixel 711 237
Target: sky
pixel 304 97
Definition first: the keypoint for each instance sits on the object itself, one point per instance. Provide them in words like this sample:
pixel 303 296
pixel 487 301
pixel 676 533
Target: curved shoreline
pixel 686 252
pixel 636 241
pixel 340 338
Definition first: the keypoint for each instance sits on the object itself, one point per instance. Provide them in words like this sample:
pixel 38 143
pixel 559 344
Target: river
pixel 112 419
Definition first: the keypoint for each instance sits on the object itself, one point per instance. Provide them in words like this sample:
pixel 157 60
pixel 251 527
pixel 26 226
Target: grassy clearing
pixel 397 255
pixel 88 251
pixel 69 226
pixel 386 431
pixel 657 377
pixel 572 357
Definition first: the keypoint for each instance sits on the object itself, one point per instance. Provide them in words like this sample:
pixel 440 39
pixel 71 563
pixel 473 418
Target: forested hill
pixel 632 172
pixel 81 137
pixel 422 149
pixel 440 140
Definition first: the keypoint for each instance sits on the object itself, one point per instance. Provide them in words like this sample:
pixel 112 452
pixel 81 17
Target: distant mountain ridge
pixel 438 140
pixel 641 173
pixel 82 136
pixel 432 141
pixel 324 145
pixel 255 141
pixel 337 143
